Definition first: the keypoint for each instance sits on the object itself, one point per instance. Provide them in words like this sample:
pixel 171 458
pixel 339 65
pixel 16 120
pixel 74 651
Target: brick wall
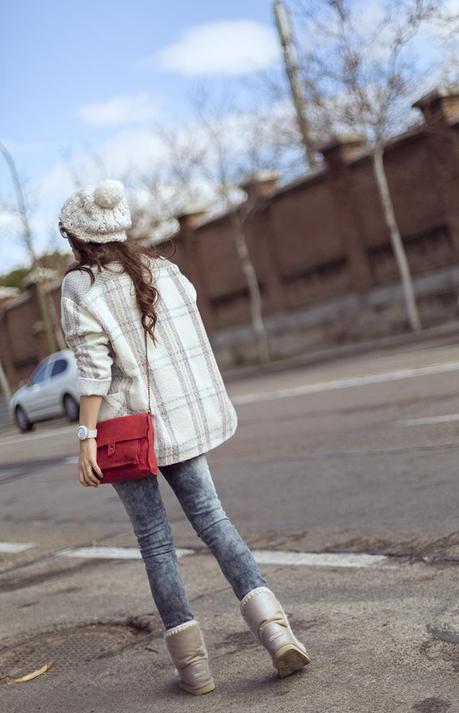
pixel 314 242
pixel 324 236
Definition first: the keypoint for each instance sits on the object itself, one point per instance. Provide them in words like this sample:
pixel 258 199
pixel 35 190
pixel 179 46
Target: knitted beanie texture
pixel 98 213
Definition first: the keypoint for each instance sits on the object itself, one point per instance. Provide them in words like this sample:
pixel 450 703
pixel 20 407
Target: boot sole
pixel 198 691
pixel 289 659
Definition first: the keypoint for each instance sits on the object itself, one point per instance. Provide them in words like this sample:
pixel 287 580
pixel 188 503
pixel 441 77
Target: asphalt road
pixel 357 456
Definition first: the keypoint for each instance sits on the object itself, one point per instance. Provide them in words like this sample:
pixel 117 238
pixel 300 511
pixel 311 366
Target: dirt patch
pixel 432 705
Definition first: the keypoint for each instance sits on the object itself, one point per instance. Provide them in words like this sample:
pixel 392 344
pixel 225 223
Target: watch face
pixel 81 431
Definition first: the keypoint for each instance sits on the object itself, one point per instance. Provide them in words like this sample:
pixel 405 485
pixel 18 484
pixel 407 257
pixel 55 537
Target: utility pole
pixel 29 244
pixel 284 30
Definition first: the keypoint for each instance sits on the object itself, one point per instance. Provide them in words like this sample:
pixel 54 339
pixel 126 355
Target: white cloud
pixel 227 47
pixel 119 110
pixel 13 250
pixel 128 154
pixel 9 222
pixel 132 150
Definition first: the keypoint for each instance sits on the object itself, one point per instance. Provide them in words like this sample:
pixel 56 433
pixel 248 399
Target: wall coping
pixel 441 92
pixel 412 132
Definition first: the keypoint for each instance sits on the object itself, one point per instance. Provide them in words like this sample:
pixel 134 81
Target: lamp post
pixel 29 244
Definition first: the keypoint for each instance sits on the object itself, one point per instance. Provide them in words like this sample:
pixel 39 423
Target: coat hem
pixel 195 451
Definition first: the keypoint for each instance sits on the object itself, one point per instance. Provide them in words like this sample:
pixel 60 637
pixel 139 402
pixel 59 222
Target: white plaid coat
pixel 191 409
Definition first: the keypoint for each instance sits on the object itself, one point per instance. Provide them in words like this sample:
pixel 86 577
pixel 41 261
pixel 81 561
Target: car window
pixel 59 366
pixel 39 374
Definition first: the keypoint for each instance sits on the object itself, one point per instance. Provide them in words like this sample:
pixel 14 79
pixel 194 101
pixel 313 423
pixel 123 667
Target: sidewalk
pixel 447 333
pixel 376 637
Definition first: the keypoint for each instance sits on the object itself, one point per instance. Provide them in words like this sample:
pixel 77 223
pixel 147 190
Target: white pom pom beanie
pixel 97 214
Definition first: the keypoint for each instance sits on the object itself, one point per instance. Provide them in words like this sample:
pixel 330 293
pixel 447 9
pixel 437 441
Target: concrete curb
pixel 448 332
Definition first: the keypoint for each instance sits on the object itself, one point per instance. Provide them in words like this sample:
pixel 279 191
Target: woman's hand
pixel 89 411
pixel 88 463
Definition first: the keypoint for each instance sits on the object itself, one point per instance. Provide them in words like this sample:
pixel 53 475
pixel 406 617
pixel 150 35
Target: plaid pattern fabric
pixel 191 409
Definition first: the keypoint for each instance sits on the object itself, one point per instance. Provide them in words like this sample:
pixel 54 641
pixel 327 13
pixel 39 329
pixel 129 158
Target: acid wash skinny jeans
pixel 192 483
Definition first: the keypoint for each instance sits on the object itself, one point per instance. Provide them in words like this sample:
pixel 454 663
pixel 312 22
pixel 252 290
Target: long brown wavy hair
pixel 129 253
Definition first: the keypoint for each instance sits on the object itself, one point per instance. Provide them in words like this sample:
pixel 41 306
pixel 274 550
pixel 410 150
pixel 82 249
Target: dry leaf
pixel 33 674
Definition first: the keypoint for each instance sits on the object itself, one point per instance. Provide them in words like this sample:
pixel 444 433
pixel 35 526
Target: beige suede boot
pixel 267 620
pixel 188 651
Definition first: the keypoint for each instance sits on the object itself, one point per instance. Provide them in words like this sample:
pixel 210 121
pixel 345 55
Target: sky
pixel 91 76
pixel 84 82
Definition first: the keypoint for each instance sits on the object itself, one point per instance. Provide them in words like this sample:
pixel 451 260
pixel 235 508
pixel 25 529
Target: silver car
pixel 51 391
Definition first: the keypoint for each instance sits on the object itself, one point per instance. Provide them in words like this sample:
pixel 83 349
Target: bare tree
pixel 445 28
pixel 225 161
pixel 361 72
pixel 204 164
pixel 158 195
pixel 22 211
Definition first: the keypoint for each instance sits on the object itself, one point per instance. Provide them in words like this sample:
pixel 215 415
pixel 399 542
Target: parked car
pixel 51 391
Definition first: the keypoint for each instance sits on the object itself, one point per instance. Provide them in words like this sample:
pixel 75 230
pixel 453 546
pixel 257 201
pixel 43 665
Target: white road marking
pixel 71 459
pixel 11 547
pixel 125 553
pixel 348 383
pixel 318 559
pixel 315 388
pixel 431 420
pixel 327 559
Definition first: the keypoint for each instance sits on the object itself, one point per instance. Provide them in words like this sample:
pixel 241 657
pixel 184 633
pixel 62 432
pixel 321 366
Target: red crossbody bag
pixel 125 445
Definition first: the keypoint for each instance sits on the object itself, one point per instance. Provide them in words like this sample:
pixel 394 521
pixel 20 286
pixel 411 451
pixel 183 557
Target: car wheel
pixel 22 421
pixel 71 408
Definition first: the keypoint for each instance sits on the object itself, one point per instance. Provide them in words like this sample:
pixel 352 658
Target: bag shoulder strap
pixel 147 368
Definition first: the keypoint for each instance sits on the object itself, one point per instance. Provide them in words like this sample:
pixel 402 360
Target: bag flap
pixel 123 428
pixel 117 455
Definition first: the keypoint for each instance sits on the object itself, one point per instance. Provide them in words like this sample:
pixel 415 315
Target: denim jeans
pixel 192 483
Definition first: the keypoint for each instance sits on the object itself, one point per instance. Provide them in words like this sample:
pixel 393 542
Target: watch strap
pixel 90 432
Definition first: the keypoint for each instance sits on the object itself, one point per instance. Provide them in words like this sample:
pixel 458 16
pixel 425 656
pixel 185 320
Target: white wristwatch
pixel 85 432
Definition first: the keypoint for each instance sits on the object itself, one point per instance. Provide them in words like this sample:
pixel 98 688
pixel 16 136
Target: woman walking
pixel 114 291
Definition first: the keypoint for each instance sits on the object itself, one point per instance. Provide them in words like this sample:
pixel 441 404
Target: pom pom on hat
pixel 109 193
pixel 98 213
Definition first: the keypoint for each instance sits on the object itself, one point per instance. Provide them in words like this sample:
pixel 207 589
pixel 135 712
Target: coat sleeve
pixel 87 339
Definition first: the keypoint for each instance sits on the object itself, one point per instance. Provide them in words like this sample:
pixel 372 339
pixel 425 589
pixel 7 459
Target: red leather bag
pixel 125 445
